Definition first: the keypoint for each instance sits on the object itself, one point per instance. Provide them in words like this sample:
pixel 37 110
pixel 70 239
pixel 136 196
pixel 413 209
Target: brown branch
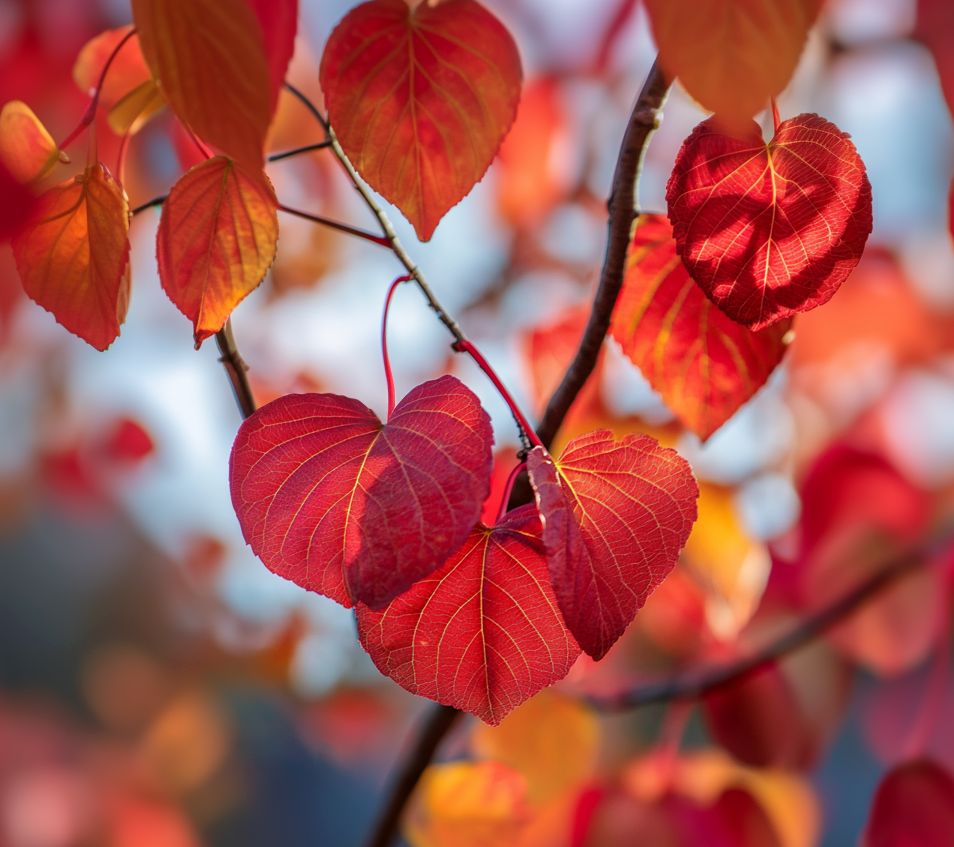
pixel 235 369
pixel 695 683
pixel 622 212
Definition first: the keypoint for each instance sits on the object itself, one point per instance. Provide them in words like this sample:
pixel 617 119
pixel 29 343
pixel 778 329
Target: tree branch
pixel 622 211
pixel 696 683
pixel 235 369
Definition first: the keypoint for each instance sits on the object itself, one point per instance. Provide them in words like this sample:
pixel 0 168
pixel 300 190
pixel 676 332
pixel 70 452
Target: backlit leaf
pixel 336 501
pixel 615 516
pixel 420 99
pixel 26 147
pixel 209 59
pixel 914 807
pixel 703 363
pixel 217 238
pixel 278 22
pixel 128 70
pixel 732 57
pixel 132 111
pixel 467 804
pixel 73 255
pixel 769 230
pixel 483 633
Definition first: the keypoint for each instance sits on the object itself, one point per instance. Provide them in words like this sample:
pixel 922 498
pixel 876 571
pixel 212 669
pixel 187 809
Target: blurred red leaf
pixel 217 238
pixel 209 59
pixel 128 70
pixel 73 255
pixel 336 501
pixel 769 230
pixel 935 27
pixel 482 633
pixel 420 99
pixel 127 442
pixel 704 364
pixel 615 516
pixel 17 203
pixel 278 21
pixel 913 807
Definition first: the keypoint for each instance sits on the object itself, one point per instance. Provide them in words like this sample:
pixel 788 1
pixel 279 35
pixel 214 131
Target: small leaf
pixel 134 110
pixel 73 255
pixel 769 230
pixel 128 70
pixel 732 57
pixel 483 633
pixel 914 805
pixel 420 99
pixel 26 147
pixel 278 22
pixel 339 503
pixel 704 364
pixel 615 516
pixel 217 238
pixel 209 60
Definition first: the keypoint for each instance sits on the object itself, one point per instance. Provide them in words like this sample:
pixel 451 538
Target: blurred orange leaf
pixel 73 255
pixel 26 147
pixel 128 70
pixel 217 238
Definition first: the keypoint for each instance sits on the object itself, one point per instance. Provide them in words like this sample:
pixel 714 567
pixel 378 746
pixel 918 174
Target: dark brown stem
pixel 435 726
pixel 236 369
pixel 622 212
pixel 341 227
pixel 695 683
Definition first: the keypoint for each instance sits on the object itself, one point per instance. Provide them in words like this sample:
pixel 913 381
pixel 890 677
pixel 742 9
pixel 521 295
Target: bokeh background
pixel 158 686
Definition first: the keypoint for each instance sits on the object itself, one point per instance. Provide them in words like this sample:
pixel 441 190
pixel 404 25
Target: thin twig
pixel 696 683
pixel 622 211
pixel 341 227
pixel 236 369
pixel 298 151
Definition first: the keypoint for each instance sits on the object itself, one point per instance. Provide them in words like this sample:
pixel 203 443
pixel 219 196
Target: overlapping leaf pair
pixel 386 517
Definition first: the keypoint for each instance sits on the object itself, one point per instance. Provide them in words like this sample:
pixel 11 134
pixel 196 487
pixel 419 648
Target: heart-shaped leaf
pixel 217 238
pixel 420 99
pixel 483 633
pixel 769 230
pixel 336 501
pixel 704 364
pixel 615 516
pixel 73 255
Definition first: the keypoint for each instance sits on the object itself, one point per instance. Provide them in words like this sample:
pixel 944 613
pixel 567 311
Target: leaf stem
pixel 90 112
pixel 776 117
pixel 341 227
pixel 518 469
pixel 388 374
pixel 236 369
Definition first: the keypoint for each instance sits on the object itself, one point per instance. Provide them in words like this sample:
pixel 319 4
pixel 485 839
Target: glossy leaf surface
pixel 704 364
pixel 73 255
pixel 209 59
pixel 615 516
pixel 483 633
pixel 217 238
pixel 421 99
pixel 336 501
pixel 768 230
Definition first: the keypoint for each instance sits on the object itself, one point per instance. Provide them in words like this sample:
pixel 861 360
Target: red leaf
pixel 483 633
pixel 335 501
pixel 17 203
pixel 278 20
pixel 769 230
pixel 420 99
pixel 126 442
pixel 73 255
pixel 732 57
pixel 209 59
pixel 935 28
pixel 704 364
pixel 914 807
pixel 615 516
pixel 217 238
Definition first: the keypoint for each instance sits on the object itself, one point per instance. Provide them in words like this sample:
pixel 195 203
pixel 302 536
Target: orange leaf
pixel 217 238
pixel 209 59
pixel 132 112
pixel 128 70
pixel 732 57
pixel 26 148
pixel 73 255
pixel 421 99
pixel 704 364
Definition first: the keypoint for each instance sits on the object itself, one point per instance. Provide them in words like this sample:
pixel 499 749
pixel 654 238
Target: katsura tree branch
pixel 622 212
pixel 696 683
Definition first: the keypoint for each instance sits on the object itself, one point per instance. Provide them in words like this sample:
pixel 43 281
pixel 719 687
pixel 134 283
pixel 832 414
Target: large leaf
pixel 420 99
pixel 73 255
pixel 615 516
pixel 731 56
pixel 26 147
pixel 935 27
pixel 483 633
pixel 769 230
pixel 914 807
pixel 704 364
pixel 217 238
pixel 208 57
pixel 336 501
pixel 278 22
